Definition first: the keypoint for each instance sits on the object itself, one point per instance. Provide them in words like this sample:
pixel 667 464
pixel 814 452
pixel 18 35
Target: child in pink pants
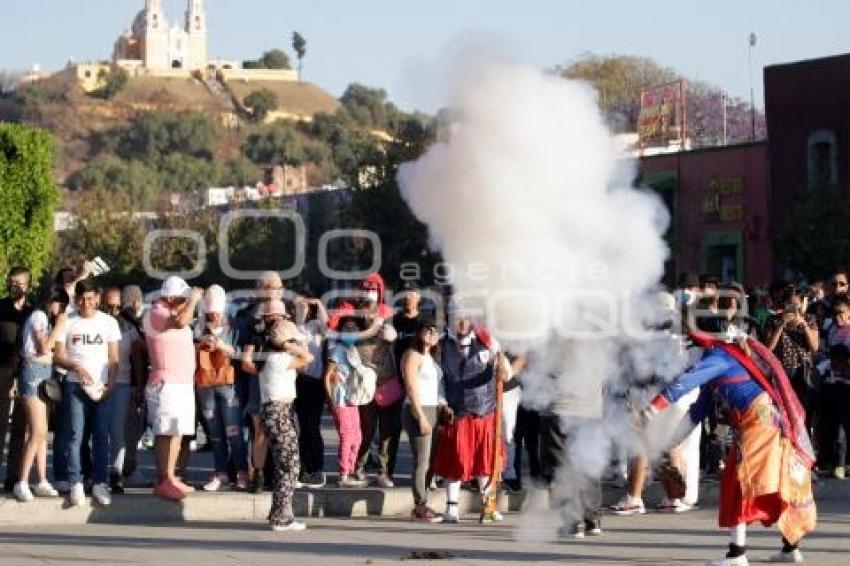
pixel 341 379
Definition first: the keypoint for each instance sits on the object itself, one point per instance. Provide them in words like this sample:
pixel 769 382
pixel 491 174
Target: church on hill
pixel 155 46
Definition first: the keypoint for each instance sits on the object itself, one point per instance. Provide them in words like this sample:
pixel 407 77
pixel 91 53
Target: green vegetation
pixel 299 45
pixel 114 82
pixel 261 102
pixel 273 59
pixel 29 197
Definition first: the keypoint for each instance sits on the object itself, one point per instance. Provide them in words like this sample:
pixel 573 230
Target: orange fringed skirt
pixel 764 479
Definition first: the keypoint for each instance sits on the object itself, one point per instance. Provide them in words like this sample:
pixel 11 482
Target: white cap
pixel 175 287
pixel 215 299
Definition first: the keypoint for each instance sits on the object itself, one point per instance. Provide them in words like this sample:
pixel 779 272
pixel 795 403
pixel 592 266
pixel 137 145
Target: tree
pixel 135 179
pixel 183 173
pixel 261 102
pixel 239 171
pixel 273 59
pixel 29 197
pixel 275 144
pixel 299 45
pixel 369 107
pixel 104 226
pixel 114 82
pixel 619 80
pixel 352 146
pixel 152 135
pixel 817 240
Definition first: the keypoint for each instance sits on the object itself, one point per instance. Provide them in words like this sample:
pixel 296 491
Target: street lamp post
pixel 752 40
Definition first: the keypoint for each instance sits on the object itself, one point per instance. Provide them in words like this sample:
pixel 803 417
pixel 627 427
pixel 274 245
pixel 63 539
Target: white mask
pixel 372 296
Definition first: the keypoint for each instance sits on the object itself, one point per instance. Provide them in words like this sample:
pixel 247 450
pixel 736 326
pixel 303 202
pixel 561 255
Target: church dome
pixel 139 23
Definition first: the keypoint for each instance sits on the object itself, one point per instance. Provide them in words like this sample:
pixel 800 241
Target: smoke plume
pixel 530 200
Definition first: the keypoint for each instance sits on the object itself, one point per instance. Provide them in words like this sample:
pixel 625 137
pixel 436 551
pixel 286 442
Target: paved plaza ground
pixel 650 539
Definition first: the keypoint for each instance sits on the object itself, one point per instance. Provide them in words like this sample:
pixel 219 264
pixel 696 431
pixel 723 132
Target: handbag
pixel 214 369
pixel 389 393
pixel 50 390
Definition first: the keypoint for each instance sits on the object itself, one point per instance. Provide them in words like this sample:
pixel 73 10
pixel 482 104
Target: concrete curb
pixel 140 507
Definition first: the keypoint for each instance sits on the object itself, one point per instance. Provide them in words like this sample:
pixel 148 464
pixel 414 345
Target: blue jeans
pixel 119 405
pixel 79 410
pixel 221 410
pixel 61 437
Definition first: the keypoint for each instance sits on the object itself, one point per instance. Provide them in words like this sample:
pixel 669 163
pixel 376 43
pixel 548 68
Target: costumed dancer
pixel 470 444
pixel 767 477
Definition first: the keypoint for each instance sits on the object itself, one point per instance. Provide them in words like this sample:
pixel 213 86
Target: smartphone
pixel 99 267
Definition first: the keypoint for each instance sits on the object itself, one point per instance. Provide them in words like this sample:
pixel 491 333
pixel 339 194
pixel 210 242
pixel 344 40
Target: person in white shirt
pixel 423 382
pixel 38 337
pixel 88 349
pixel 277 396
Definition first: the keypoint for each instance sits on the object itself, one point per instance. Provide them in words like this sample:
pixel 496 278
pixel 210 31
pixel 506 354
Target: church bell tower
pixel 156 36
pixel 196 31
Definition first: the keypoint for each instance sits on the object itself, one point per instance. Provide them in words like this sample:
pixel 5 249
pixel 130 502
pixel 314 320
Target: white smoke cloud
pixel 531 178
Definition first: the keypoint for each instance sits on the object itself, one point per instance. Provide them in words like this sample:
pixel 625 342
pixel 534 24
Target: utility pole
pixel 752 91
pixel 724 103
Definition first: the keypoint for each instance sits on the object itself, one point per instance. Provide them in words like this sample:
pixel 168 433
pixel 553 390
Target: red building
pixel 719 205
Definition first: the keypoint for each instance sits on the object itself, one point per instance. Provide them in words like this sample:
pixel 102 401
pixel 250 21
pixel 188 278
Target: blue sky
pixel 393 44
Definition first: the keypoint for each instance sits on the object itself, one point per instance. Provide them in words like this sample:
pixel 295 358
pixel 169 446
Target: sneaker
pixel 168 491
pixel 116 483
pixel 384 482
pixel 492 517
pixel 574 531
pixel 593 528
pixel 44 489
pixel 77 495
pixel 629 506
pixel 184 487
pixel 793 557
pixel 216 483
pixel 425 514
pixel 257 482
pixel 316 480
pixel 839 473
pixel 739 561
pixel 351 481
pixel 512 486
pixel 100 493
pixel 62 486
pixel 668 505
pixel 242 481
pixel 290 526
pixel 22 492
pixel 451 516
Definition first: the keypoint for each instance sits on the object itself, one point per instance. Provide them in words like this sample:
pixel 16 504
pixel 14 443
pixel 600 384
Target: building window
pixel 88 74
pixel 176 64
pixel 822 152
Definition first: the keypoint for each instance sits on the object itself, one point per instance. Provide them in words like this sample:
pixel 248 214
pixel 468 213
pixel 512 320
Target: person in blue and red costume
pixel 767 477
pixel 470 444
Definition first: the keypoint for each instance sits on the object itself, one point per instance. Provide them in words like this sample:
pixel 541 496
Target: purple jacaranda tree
pixel 619 80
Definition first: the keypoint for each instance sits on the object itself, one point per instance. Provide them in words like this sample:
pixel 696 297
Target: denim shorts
pixel 31 375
